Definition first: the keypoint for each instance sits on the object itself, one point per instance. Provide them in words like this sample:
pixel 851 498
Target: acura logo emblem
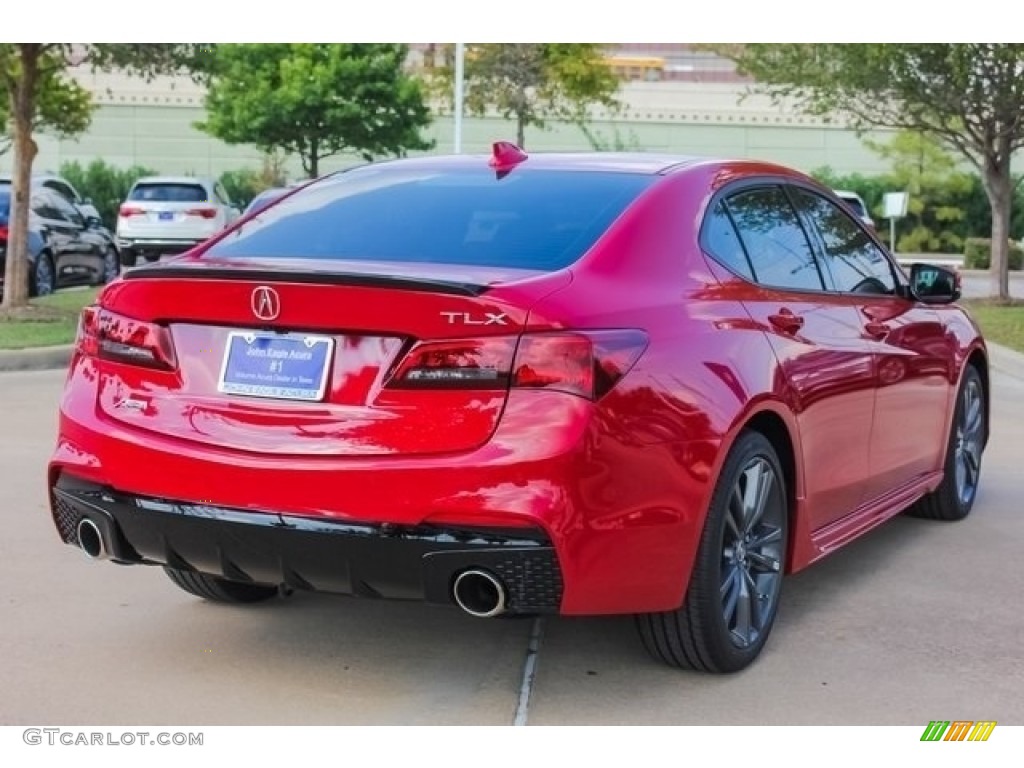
pixel 266 304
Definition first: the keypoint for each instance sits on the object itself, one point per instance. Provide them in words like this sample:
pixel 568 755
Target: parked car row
pixel 162 215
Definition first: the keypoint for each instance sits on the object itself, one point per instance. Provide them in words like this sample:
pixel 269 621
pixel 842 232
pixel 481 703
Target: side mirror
pixel 934 285
pixel 90 220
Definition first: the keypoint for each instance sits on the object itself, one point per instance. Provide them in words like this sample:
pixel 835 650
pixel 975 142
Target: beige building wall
pixel 153 124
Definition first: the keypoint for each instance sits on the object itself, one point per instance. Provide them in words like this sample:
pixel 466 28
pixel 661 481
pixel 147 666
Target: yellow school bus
pixel 637 67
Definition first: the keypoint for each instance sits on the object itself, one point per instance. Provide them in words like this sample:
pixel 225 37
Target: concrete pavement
pixel 918 621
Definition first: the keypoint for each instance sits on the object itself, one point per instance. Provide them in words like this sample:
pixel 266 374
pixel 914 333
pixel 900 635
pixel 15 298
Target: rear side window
pixel 526 219
pixel 168 193
pixel 721 241
pixel 771 232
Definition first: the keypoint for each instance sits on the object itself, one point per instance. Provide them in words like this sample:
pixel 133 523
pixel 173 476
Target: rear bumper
pixel 155 245
pixel 622 517
pixel 368 560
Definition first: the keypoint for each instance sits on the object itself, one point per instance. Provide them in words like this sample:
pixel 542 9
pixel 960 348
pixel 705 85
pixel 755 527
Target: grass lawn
pixel 48 321
pixel 1001 323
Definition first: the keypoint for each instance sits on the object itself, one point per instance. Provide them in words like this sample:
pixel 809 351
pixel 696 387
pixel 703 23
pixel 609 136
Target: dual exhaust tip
pixel 480 593
pixel 91 541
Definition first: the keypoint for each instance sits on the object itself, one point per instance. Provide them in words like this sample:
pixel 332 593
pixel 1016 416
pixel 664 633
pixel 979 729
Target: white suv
pixel 856 204
pixel 170 214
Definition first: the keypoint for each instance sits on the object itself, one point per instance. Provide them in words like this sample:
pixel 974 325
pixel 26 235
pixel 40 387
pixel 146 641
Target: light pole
pixel 460 61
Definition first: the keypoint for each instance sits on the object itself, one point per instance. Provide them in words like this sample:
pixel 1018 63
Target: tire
pixel 219 590
pixel 954 498
pixel 43 280
pixel 129 258
pixel 111 265
pixel 716 629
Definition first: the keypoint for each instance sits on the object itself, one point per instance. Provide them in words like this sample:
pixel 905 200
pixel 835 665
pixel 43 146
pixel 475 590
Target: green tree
pixel 969 97
pixel 244 184
pixel 533 82
pixel 924 169
pixel 316 100
pixel 63 108
pixel 40 94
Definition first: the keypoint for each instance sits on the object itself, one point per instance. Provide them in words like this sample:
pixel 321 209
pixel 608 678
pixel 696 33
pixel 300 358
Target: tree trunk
pixel 999 188
pixel 314 159
pixel 520 131
pixel 22 103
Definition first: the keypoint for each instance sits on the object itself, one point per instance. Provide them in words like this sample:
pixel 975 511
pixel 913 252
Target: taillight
pixel 584 363
pixel 110 336
pixel 206 213
pixel 4 232
pixel 555 361
pixel 130 210
pixel 461 364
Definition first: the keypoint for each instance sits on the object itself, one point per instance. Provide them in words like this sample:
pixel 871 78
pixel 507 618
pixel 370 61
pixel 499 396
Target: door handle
pixel 785 321
pixel 877 330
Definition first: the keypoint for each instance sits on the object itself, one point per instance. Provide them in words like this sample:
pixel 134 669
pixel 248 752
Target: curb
pixel 36 358
pixel 1005 360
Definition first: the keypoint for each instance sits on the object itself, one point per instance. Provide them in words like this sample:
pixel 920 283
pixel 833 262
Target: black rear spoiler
pixel 362 279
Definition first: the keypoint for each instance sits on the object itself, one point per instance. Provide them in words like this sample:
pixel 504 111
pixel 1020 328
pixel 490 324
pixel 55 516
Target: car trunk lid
pixel 287 358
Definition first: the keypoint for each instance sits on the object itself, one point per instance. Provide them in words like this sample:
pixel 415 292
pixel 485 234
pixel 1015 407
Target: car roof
pixel 623 162
pixel 651 163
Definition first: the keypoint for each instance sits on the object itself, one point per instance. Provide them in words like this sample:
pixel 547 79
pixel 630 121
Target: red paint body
pixel 621 483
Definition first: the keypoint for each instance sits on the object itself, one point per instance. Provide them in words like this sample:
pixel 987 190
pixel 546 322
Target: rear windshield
pixel 168 193
pixel 529 220
pixel 5 204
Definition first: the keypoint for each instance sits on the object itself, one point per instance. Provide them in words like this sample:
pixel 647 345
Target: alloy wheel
pixel 969 430
pixel 752 547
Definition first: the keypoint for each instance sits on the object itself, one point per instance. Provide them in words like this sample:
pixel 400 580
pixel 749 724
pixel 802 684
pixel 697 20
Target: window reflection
pixel 856 263
pixel 774 239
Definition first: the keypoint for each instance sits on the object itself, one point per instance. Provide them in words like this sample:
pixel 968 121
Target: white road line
pixel 529 671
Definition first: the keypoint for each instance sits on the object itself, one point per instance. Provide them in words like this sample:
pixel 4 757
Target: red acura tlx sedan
pixel 563 383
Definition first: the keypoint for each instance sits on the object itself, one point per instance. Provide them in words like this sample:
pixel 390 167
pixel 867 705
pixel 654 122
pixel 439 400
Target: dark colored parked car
pixel 67 190
pixel 566 383
pixel 63 249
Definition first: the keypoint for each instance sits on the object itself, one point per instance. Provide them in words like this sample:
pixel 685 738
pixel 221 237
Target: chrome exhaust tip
pixel 479 593
pixel 90 539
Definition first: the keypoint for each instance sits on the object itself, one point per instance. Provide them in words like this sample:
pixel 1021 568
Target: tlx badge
pixel 466 318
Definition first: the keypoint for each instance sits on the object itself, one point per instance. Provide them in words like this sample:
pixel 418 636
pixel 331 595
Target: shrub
pixel 244 184
pixel 978 254
pixel 106 185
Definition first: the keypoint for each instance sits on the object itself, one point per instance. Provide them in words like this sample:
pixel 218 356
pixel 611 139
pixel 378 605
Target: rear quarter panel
pixel 661 436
